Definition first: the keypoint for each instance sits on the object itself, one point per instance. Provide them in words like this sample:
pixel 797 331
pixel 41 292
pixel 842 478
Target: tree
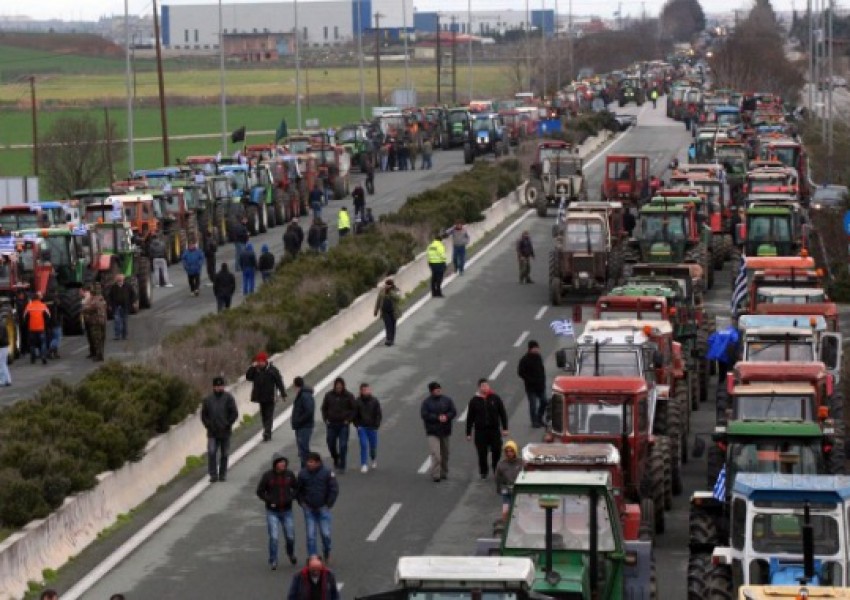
pixel 681 20
pixel 75 154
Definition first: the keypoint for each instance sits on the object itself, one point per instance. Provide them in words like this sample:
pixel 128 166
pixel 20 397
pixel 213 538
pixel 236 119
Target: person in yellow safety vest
pixel 437 262
pixel 343 222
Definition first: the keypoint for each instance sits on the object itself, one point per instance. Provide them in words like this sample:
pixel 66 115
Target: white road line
pixel 498 370
pixel 384 522
pixel 425 466
pixel 521 339
pixel 462 417
pixel 541 312
pixel 80 350
pixel 339 586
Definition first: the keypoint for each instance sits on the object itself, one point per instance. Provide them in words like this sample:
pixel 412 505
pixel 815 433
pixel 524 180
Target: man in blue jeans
pixel 337 413
pixel 121 298
pixel 367 420
pixel 278 488
pixel 317 493
pixel 303 416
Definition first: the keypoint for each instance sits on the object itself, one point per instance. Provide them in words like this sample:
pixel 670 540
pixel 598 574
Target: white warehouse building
pixel 320 22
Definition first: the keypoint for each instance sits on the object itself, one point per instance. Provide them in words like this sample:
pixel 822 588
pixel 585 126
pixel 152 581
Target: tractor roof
pixel 795 488
pixel 781 322
pixel 774 429
pixel 790 262
pixel 779 371
pixel 659 327
pixel 773 209
pixel 648 292
pixel 600 386
pixel 825 309
pixel 570 454
pixel 44 232
pixel 764 388
pixel 583 479
pixel 585 216
pixel 438 572
pixel 665 208
pixel 795 292
pixel 593 205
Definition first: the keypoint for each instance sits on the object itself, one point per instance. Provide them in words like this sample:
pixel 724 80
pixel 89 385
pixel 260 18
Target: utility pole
pixel 221 81
pixel 108 134
pixel 454 59
pixel 131 160
pixel 543 46
pixel 34 107
pixel 439 59
pixel 570 39
pixel 527 46
pixel 297 66
pixel 360 59
pixel 469 33
pixel 558 43
pixel 378 55
pixel 829 137
pixel 163 119
pixel 810 16
pixel 406 57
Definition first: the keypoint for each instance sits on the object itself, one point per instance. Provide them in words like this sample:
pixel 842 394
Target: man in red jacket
pixel 36 315
pixel 313 581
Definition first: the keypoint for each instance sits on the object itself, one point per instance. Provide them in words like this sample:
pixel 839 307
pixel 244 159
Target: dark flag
pixel 238 135
pixel 281 132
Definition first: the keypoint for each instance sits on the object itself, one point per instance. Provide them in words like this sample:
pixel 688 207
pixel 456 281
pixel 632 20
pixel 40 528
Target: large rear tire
pixel 468 154
pixel 145 283
pixel 719 583
pixel 71 309
pixel 698 567
pixel 253 220
pixel 656 468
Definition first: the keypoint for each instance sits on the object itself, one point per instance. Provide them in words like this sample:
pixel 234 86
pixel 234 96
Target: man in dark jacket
pixel 533 375
pixel 193 263
pixel 121 298
pixel 266 379
pixel 486 414
pixel 317 493
pixel 248 263
pixel 218 415
pixel 359 196
pixel 266 263
pixel 437 413
pixel 239 234
pixel 293 238
pixel 224 286
pixel 278 488
pixel 303 411
pixel 159 259
pixel 313 582
pixel 337 413
pixel 367 420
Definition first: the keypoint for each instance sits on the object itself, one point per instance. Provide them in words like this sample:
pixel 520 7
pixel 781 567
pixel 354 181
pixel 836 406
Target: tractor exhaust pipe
pixel 808 546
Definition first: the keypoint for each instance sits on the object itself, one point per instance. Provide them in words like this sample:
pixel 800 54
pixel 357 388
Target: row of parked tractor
pixel 592 498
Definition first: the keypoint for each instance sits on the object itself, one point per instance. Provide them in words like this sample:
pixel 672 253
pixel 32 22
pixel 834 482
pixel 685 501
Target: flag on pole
pixel 282 131
pixel 719 491
pixel 739 289
pixel 7 245
pixel 238 135
pixel 562 327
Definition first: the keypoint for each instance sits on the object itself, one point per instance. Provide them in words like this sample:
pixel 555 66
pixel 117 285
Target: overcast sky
pixel 92 9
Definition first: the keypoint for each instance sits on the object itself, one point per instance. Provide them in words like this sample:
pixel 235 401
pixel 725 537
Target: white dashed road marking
pixel 384 522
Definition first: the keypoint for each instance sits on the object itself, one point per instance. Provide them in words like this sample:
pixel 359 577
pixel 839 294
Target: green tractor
pixel 116 253
pixel 568 523
pixel 773 229
pixel 670 233
pixel 355 139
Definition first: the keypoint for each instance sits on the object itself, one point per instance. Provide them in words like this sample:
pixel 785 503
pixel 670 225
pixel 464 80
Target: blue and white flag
pixel 562 327
pixel 80 229
pixel 561 218
pixel 7 245
pixel 719 491
pixel 739 288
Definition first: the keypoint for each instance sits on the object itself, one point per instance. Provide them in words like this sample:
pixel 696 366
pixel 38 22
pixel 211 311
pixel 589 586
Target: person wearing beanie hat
pixel 266 263
pixel 533 375
pixel 507 471
pixel 193 263
pixel 437 413
pixel 387 304
pixel 218 414
pixel 278 488
pixel 487 416
pixel 338 409
pixel 266 379
pixel 248 262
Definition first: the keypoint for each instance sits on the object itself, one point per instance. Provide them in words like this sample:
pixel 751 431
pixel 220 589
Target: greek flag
pixel 562 327
pixel 80 230
pixel 739 289
pixel 562 212
pixel 7 245
pixel 719 491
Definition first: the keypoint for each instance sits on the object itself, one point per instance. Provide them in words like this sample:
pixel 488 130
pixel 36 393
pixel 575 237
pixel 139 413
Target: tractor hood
pixel 573 583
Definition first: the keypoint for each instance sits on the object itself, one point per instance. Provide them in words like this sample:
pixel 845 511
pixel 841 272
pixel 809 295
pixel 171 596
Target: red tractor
pixel 627 179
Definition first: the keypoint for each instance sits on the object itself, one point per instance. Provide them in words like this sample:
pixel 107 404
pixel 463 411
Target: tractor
pixel 732 155
pixel 486 134
pixel 334 168
pixel 583 260
pixel 627 179
pixel 140 210
pixel 617 411
pixel 631 90
pixel 248 196
pixel 773 229
pixel 114 252
pixel 556 177
pixel 459 125
pixel 355 139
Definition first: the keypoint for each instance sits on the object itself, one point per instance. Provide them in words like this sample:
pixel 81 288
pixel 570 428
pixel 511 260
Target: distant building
pixel 258 47
pixel 485 23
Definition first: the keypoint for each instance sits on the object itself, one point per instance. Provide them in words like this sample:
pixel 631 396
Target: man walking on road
pixel 486 414
pixel 193 263
pixel 37 317
pixel 266 263
pixel 533 374
pixel 437 262
pixel 94 320
pixel 367 420
pixel 313 582
pixel 293 238
pixel 266 379
pixel 248 263
pixel 224 286
pixel 337 413
pixel 437 413
pixel 317 493
pixel 278 488
pixel 159 261
pixel 239 231
pixel 427 153
pixel 359 196
pixel 218 414
pixel 343 222
pixel 387 305
pixel 525 254
pixel 121 298
pixel 460 240
pixel 303 416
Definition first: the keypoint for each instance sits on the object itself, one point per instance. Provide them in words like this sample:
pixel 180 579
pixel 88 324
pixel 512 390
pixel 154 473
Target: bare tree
pixel 75 154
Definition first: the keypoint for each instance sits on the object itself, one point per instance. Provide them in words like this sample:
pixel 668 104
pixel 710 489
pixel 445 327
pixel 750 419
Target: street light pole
pixel 527 46
pixel 360 59
pixel 221 80
pixel 378 54
pixel 297 67
pixel 543 44
pixel 469 33
pixel 406 57
pixel 131 159
pixel 34 109
pixel 557 48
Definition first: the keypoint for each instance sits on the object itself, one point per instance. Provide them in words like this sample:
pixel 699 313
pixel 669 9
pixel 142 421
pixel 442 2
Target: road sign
pixel 311 123
pixel 847 222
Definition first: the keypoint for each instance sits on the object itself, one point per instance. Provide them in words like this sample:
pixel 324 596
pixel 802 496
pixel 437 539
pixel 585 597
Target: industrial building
pixel 485 23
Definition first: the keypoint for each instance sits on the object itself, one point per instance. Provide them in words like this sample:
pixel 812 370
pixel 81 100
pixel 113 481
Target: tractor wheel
pixel 71 309
pixel 717 253
pixel 532 192
pixel 192 230
pixel 221 224
pixel 182 244
pixel 719 583
pixel 171 254
pixel 542 206
pixel 615 266
pixel 721 403
pixel 685 416
pixel 279 210
pixel 728 246
pixel 253 220
pixel 133 282
pixel 271 216
pixel 708 267
pixel 665 447
pixel 656 468
pixel 836 408
pixel 693 382
pixel 339 189
pixel 714 459
pixel 653 581
pixel 631 255
pixel 468 154
pixel 702 529
pixel 261 215
pixel 698 566
pixel 835 460
pixel 646 530
pixel 145 284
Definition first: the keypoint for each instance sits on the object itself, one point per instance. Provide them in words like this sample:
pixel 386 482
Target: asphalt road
pixel 216 546
pixel 174 307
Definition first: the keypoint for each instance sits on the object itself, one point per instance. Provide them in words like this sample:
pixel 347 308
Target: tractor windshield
pixel 584 236
pixel 787 155
pixel 347 135
pixel 788 457
pixel 552 154
pixel 816 296
pixel 16 221
pixel 238 179
pixel 59 248
pixel 786 349
pixel 111 239
pixel 774 408
pixel 614 315
pixel 728 119
pixel 462 594
pixel 782 533
pixel 619 363
pixel 667 227
pixel 570 523
pixel 620 170
pixel 597 416
pixel 769 228
pixel 458 117
pixel 482 125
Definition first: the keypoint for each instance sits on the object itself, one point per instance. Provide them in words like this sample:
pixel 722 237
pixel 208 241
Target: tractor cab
pixel 626 178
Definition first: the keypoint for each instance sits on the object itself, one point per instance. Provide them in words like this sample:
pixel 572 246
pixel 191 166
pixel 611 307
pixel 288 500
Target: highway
pixel 216 546
pixel 174 307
